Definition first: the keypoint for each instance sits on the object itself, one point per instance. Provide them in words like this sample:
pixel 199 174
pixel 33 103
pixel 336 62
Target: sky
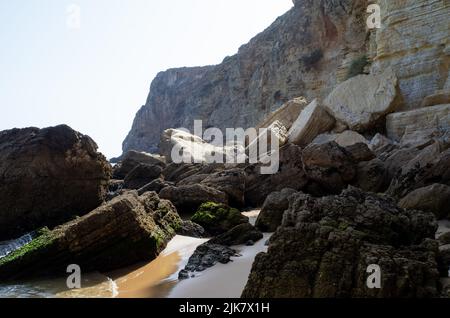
pixel 89 63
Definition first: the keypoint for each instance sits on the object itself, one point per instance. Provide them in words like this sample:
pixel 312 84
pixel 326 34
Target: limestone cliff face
pixel 305 52
pixel 415 41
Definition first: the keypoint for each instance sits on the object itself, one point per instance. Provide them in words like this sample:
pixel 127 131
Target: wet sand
pixel 222 281
pixel 154 280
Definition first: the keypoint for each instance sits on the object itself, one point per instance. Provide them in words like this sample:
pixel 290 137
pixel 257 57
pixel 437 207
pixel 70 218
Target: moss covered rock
pixel 218 218
pixel 126 230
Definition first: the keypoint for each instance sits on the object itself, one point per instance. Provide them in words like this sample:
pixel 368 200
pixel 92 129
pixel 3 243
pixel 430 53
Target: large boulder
pixel 218 218
pixel 330 166
pixel 362 101
pixel 313 120
pixel 231 182
pixel 290 175
pixel 325 246
pixel 286 114
pixel 141 175
pixel 126 230
pixel 269 219
pixel 193 149
pixel 419 122
pixel 372 176
pixel 132 159
pixel 188 198
pixel 434 198
pixel 240 234
pixel 428 167
pixel 440 97
pixel 48 176
pixel 343 139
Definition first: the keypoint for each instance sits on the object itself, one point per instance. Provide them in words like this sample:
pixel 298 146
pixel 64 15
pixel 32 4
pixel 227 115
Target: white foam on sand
pixel 222 280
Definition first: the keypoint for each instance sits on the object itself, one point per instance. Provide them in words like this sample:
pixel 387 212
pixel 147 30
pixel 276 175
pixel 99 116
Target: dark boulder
pixel 191 229
pixel 430 166
pixel 132 159
pixel 290 175
pixel 218 218
pixel 330 166
pixel 141 175
pixel 231 182
pixel 325 246
pixel 238 235
pixel 155 186
pixel 205 256
pixel 48 176
pixel 188 198
pixel 271 214
pixel 372 176
pixel 434 198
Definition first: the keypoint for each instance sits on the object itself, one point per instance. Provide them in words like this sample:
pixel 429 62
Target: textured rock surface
pixel 344 139
pixel 269 219
pixel 217 218
pixel 330 165
pixel 303 53
pixel 48 176
pixel 231 182
pixel 324 247
pixel 205 256
pixel 238 235
pixel 421 172
pixel 362 100
pixel 132 159
pixel 313 120
pixel 434 198
pixel 286 114
pixel 291 175
pixel 188 198
pixel 424 120
pixel 414 41
pixel 439 98
pixel 141 175
pixel 127 230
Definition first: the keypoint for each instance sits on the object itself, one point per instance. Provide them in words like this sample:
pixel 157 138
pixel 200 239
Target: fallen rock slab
pixel 425 120
pixel 313 120
pixel 134 158
pixel 126 230
pixel 434 198
pixel 188 198
pixel 362 101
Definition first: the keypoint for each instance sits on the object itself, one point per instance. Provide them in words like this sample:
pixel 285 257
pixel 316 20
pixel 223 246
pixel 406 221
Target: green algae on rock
pixel 218 218
pixel 122 232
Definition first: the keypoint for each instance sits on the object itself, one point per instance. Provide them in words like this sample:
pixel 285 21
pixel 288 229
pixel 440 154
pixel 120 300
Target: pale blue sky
pixel 95 78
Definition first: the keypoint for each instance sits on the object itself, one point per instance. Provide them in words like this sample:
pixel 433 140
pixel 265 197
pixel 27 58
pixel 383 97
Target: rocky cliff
pixel 306 52
pixel 303 53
